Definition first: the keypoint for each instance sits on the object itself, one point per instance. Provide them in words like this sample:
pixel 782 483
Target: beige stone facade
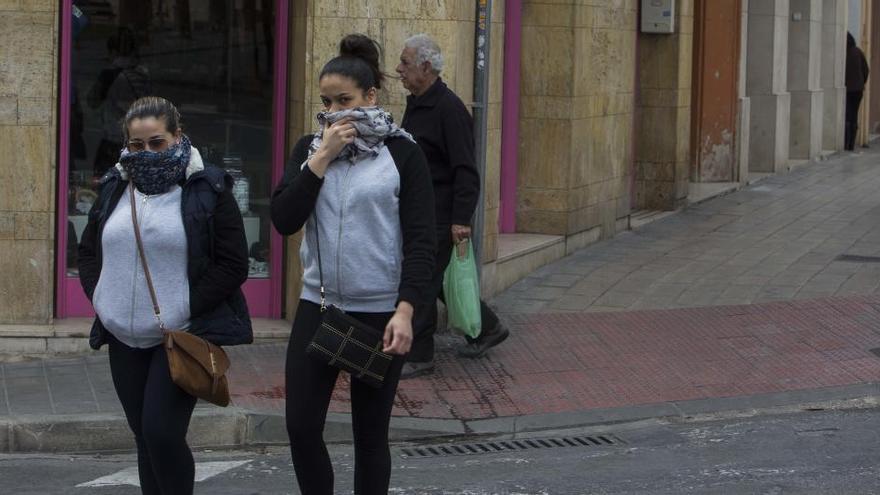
pixel 576 116
pixel 28 102
pixel 664 114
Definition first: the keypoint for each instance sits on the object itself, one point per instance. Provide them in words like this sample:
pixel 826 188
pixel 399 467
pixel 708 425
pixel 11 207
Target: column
pixel 28 130
pixel 664 109
pixel 804 78
pixel 832 73
pixel 744 110
pixel 766 85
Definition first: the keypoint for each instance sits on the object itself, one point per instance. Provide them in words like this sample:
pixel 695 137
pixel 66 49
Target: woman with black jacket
pixel 195 246
pixel 362 189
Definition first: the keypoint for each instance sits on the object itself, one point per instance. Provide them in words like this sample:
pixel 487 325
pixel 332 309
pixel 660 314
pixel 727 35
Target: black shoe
pixel 484 342
pixel 416 369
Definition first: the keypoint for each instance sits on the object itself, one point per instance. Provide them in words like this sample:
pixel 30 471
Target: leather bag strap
pixel 142 256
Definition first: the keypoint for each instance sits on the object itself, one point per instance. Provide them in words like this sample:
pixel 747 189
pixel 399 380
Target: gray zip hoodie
pixel 375 224
pixel 360 238
pixel 122 298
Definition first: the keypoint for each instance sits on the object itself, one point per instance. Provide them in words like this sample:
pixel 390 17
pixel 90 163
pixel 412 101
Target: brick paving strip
pixel 556 370
pixel 568 362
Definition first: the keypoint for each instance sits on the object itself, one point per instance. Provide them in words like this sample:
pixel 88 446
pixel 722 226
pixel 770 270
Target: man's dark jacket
pixel 217 261
pixel 856 69
pixel 443 128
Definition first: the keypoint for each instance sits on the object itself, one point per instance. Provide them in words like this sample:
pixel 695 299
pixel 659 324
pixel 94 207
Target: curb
pixel 209 428
pixel 234 427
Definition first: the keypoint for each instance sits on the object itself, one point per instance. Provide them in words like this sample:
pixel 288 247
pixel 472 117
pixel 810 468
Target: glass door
pixel 223 64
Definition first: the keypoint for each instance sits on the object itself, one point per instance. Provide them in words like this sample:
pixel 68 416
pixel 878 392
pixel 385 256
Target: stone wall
pixel 664 114
pixel 318 25
pixel 576 117
pixel 28 61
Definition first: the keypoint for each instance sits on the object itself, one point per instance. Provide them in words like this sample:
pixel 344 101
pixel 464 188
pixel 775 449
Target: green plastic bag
pixel 461 288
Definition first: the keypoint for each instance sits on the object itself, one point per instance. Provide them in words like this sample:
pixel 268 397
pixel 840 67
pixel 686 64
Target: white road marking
pixel 129 476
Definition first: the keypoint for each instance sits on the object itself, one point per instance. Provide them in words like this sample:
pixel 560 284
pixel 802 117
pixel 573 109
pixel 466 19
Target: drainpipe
pixel 510 113
pixel 481 111
pixel 636 119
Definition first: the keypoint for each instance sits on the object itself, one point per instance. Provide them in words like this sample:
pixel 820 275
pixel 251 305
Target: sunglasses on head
pixel 152 144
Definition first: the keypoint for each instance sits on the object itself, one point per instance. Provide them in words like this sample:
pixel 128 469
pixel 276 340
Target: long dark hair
pixel 152 106
pixel 358 60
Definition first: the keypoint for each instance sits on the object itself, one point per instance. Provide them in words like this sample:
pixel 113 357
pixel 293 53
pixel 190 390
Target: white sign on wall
pixel 658 16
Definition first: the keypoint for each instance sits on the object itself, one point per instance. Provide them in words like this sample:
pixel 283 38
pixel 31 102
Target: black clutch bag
pixel 347 343
pixel 350 345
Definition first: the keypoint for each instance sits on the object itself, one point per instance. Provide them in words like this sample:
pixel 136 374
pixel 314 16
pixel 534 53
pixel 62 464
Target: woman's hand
pixel 333 140
pixel 398 332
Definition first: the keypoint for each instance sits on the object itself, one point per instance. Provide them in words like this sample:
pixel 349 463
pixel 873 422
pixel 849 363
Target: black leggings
pixel 158 412
pixel 309 388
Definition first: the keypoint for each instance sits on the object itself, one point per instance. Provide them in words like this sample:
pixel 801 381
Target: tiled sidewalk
pixel 556 363
pixel 779 239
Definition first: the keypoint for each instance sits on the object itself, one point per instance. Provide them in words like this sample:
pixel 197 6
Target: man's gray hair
pixel 427 50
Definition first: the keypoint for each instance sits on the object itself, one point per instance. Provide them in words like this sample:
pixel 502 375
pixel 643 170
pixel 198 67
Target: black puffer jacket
pixel 217 255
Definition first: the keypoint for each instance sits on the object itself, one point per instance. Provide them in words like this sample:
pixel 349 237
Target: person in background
pixel 443 128
pixel 113 92
pixel 361 188
pixel 856 77
pixel 194 242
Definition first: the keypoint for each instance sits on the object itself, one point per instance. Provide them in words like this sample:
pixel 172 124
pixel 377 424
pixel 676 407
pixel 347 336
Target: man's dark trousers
pixel 853 101
pixel 425 318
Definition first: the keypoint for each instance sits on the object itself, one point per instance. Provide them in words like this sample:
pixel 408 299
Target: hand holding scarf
pixel 374 125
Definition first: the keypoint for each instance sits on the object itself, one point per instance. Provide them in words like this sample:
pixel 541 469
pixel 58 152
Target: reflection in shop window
pixel 211 58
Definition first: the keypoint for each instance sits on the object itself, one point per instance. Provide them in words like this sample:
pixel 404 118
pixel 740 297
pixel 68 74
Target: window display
pixel 213 59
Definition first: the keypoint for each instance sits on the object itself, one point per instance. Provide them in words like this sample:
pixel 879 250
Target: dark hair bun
pixel 366 49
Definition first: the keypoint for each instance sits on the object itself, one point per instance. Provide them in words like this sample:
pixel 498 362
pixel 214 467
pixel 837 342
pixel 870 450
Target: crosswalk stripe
pixel 129 476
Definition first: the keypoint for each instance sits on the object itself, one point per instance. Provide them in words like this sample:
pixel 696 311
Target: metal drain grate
pixel 854 258
pixel 497 446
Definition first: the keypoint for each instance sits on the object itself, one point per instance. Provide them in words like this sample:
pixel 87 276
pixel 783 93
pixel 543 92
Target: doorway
pixel 716 62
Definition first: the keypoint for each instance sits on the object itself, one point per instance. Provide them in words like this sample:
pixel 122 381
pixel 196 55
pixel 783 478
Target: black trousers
pixel 158 413
pixel 853 101
pixel 310 386
pixel 425 317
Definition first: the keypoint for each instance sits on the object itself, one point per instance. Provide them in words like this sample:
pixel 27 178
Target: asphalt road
pixel 814 452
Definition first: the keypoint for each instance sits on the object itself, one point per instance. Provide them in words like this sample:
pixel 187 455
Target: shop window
pixel 211 58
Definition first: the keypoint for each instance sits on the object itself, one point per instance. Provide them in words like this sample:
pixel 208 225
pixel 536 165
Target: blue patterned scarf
pixel 155 172
pixel 373 125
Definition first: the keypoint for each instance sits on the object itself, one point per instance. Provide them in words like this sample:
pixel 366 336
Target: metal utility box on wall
pixel 658 16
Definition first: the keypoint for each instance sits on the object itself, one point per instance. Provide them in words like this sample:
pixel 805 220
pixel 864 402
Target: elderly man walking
pixel 443 128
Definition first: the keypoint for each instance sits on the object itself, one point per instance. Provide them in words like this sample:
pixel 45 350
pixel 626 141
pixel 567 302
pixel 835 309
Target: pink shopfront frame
pixel 263 295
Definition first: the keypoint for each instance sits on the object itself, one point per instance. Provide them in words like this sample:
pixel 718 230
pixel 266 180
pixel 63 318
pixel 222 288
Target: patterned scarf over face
pixel 373 126
pixel 155 172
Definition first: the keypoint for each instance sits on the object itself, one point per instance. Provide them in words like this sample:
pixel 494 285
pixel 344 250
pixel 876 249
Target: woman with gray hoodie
pixel 361 188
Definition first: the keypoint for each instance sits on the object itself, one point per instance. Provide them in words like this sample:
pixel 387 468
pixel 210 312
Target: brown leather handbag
pixel 197 366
